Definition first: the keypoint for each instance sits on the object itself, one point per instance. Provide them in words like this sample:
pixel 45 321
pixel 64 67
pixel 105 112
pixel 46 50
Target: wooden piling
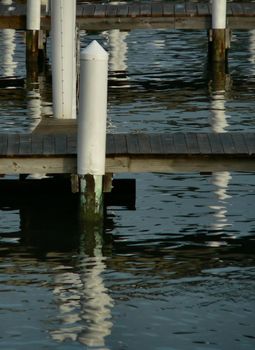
pixel 91 197
pixel 219 34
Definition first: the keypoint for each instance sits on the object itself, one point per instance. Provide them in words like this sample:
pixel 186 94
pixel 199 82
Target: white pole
pixel 33 14
pixel 63 19
pixel 92 110
pixel 219 9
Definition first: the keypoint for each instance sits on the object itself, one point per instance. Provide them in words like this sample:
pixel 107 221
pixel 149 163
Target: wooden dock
pixel 143 15
pixel 166 152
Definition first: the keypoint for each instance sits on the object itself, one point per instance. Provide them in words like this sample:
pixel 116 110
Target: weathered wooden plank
pixel 250 142
pixel 144 143
pixel 37 144
pixel 204 143
pixel 156 9
pixel 133 144
pixel 111 10
pixel 48 145
pixel 203 9
pixel 180 143
pixel 249 9
pixel 145 10
pixel 237 9
pixel 100 10
pixel 88 10
pixel 122 10
pixel 239 143
pixel 156 144
pixel 121 143
pixel 61 144
pixel 227 143
pixel 13 144
pixel 133 10
pixel 192 143
pixel 25 147
pixel 67 165
pixel 215 143
pixel 168 9
pixel 167 141
pixel 191 9
pixel 71 144
pixel 180 9
pixel 110 144
pixel 3 144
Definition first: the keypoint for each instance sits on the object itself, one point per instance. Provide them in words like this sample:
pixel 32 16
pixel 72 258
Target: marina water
pixel 178 272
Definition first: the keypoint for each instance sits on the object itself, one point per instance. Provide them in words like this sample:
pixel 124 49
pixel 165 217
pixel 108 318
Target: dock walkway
pixel 166 152
pixel 134 15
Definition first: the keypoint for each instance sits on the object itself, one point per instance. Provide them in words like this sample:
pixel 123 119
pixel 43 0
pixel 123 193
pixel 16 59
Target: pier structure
pixel 74 148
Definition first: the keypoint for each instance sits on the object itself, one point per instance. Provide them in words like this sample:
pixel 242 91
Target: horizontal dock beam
pixel 170 153
pixel 183 15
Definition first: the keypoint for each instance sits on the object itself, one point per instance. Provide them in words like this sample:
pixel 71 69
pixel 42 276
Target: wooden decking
pixel 127 16
pixel 170 152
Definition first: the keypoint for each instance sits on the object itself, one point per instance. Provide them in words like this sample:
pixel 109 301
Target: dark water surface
pixel 175 274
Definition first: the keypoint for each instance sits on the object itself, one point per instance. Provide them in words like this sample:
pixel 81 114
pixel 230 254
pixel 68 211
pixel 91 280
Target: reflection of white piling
pixel 219 118
pixel 92 127
pixel 219 34
pixel 63 19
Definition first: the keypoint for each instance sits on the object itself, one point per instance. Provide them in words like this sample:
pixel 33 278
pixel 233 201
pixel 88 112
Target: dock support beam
pixel 219 35
pixel 92 130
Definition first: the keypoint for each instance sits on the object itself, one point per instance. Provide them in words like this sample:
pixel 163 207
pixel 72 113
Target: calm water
pixel 175 274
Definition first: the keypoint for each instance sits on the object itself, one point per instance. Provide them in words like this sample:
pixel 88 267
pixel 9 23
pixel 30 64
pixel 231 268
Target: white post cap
pixel 94 51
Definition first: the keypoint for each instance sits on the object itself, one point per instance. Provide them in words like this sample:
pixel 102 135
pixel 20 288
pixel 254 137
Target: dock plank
pixel 204 143
pixel 250 142
pixel 145 10
pixel 13 144
pixel 168 145
pixel 168 9
pixel 228 144
pixel 192 143
pixel 88 10
pixel 48 145
pixel 180 143
pixel 25 146
pixel 110 144
pixel 121 143
pixel 216 144
pixel 133 146
pixel 144 144
pixel 156 144
pixel 3 144
pixel 37 144
pixel 239 143
pixel 156 9
pixel 61 144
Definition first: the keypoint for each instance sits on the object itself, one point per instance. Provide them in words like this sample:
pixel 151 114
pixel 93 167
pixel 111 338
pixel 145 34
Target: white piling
pixel 33 14
pixel 63 20
pixel 92 126
pixel 219 10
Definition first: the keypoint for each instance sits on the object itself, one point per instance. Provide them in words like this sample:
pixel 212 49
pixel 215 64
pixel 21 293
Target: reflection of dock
pixel 170 152
pixel 177 15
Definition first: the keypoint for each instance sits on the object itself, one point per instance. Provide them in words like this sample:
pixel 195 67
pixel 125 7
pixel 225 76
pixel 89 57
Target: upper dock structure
pixel 140 15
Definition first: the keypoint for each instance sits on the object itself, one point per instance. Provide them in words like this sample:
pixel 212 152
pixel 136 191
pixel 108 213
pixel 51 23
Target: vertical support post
pixel 63 20
pixel 92 129
pixel 32 34
pixel 219 34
